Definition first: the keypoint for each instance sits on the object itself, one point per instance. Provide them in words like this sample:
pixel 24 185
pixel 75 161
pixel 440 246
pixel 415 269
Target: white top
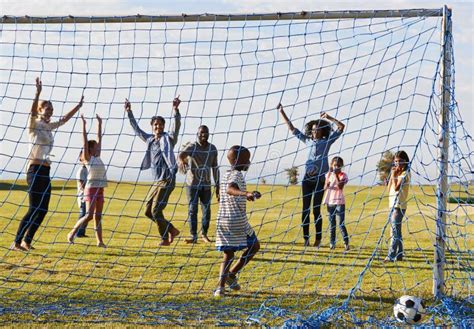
pixel 81 175
pixel 232 223
pixel 402 199
pixel 41 138
pixel 97 175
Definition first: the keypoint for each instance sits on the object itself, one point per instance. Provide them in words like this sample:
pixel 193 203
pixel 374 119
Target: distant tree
pixel 263 180
pixel 292 175
pixel 384 165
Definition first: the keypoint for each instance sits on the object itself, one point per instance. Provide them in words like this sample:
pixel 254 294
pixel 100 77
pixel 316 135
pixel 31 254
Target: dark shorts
pixel 251 240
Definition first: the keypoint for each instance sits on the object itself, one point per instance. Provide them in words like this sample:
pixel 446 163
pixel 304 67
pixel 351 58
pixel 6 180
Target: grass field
pixel 135 281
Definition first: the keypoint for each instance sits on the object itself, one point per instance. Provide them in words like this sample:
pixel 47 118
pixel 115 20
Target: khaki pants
pixel 157 200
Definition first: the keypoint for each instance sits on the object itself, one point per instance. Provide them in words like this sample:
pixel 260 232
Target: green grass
pixel 134 271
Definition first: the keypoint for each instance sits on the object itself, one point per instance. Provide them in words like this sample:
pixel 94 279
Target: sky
pixel 244 103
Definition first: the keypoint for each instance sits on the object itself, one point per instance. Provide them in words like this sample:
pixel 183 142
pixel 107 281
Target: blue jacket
pixel 159 154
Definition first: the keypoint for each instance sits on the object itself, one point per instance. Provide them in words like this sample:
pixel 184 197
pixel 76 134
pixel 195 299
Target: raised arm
pixel 140 133
pixel 285 118
pixel 71 113
pixel 99 133
pixel 34 107
pixel 85 151
pixel 176 124
pixel 339 124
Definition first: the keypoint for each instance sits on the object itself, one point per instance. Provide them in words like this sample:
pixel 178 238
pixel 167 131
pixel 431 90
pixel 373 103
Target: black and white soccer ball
pixel 409 310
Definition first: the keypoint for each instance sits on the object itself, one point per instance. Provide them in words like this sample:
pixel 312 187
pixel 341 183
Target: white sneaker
pixel 219 292
pixel 232 283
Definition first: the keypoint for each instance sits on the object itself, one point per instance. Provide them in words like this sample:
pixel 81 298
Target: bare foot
pixel 173 232
pixel 191 240
pixel 27 246
pixel 70 237
pixel 101 245
pixel 17 247
pixel 165 243
pixel 205 238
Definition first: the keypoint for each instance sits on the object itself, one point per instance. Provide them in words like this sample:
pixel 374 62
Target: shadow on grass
pixel 21 187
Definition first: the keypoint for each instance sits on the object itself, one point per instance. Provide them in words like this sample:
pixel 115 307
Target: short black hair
pixel 157 118
pixel 338 160
pixel 203 127
pixel 324 125
pixel 239 157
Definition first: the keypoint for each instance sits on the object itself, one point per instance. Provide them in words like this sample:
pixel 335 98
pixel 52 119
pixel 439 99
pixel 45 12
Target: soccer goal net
pixel 387 76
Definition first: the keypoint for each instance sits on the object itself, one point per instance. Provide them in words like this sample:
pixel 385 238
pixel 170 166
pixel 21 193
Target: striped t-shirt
pixel 232 223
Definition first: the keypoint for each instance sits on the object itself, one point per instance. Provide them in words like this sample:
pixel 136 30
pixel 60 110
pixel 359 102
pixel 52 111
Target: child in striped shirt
pixel 233 229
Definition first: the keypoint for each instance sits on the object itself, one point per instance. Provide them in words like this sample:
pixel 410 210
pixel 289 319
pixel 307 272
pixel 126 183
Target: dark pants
pixel 157 201
pixel 339 211
pixel 313 189
pixel 82 213
pixel 196 194
pixel 39 193
pixel 396 243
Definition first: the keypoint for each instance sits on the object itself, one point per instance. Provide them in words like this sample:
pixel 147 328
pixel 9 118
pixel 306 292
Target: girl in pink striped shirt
pixel 335 201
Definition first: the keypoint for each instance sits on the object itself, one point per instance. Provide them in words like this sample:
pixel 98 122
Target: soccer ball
pixel 409 310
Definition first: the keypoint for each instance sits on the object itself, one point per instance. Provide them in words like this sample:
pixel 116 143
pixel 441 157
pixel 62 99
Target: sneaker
pixel 306 242
pixel 346 247
pixel 388 260
pixel 317 243
pixel 332 246
pixel 232 283
pixel 219 292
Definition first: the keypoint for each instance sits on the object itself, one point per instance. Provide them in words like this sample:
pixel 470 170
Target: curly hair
pixel 324 125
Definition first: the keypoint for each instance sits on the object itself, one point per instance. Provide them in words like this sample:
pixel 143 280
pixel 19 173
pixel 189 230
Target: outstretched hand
pixel 127 105
pixel 252 196
pixel 83 119
pixel 99 119
pixel 280 107
pixel 176 103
